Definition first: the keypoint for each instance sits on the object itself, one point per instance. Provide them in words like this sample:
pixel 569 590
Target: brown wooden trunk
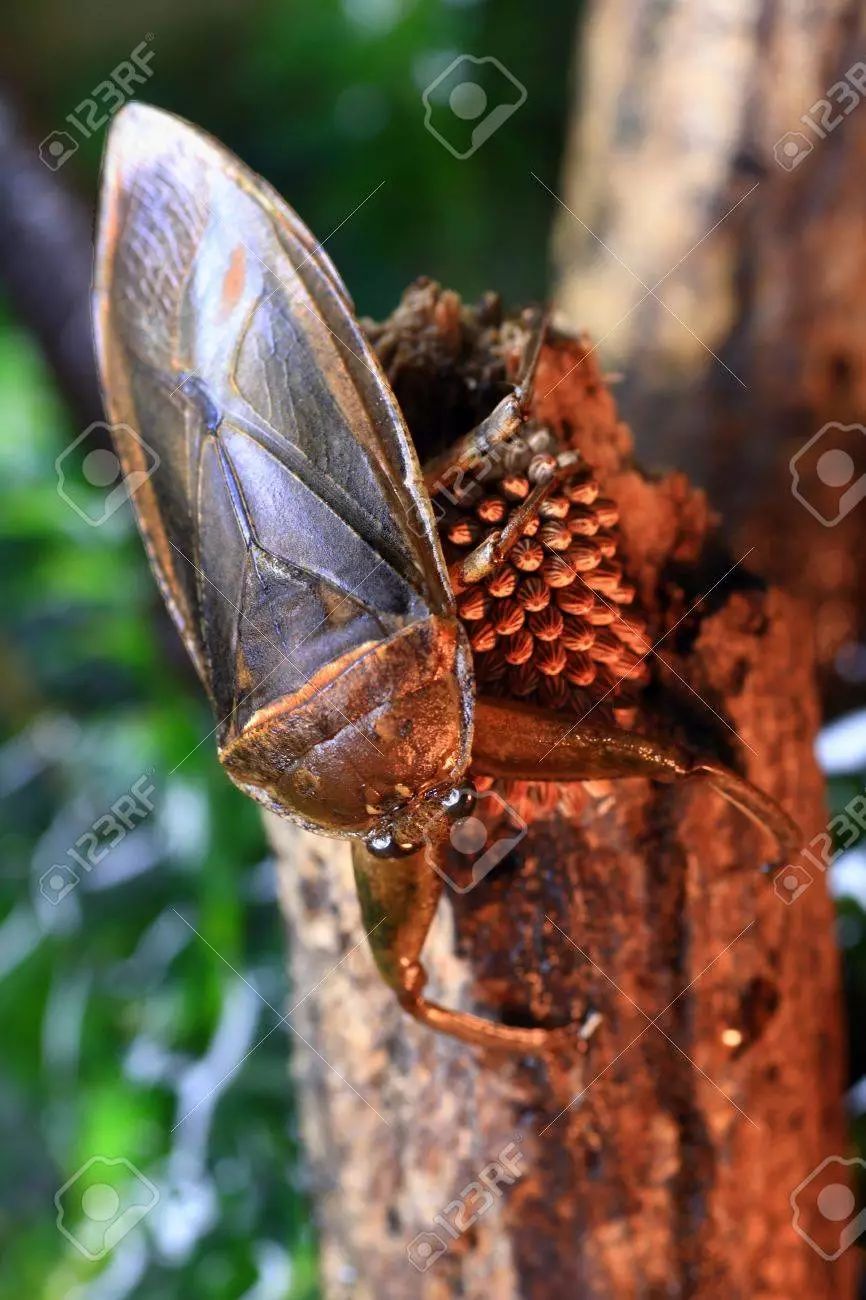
pixel 660 1161
pixel 754 338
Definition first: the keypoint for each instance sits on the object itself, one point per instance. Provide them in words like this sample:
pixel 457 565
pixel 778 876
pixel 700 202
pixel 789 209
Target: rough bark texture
pixel 674 185
pixel 661 1160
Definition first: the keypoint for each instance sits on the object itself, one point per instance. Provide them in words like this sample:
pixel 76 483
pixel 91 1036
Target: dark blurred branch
pixel 46 253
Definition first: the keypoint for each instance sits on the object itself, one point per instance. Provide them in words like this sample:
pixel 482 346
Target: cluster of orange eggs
pixel 550 625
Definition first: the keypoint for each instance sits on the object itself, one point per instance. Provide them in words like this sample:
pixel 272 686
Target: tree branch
pixel 46 259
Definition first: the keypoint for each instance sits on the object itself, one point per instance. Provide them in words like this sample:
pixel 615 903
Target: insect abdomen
pixel 367 731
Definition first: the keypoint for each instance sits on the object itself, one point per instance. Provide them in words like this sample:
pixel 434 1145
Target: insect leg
pixel 470 451
pixel 398 899
pixel 529 368
pixel 486 558
pixel 522 741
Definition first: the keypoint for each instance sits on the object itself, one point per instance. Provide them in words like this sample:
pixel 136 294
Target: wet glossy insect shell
pixel 286 520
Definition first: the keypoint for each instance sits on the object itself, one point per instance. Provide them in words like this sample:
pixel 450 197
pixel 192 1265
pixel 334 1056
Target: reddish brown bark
pixel 661 1161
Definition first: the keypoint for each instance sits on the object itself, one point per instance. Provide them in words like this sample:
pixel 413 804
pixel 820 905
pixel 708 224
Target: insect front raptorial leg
pixel 523 742
pixel 506 419
pixel 489 555
pixel 398 899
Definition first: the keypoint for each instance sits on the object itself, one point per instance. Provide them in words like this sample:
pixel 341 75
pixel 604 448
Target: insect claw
pixel 757 806
pixel 590 1023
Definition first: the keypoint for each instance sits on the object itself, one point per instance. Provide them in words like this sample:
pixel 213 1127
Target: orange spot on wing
pixel 233 282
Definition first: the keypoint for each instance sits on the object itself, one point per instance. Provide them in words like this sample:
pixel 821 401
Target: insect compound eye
pixel 460 801
pixel 384 844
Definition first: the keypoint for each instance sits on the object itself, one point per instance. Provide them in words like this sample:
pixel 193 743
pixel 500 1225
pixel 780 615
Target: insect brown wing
pixel 274 481
pixel 228 345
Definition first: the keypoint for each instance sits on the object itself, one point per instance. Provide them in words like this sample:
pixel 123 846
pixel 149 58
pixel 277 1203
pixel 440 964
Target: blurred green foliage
pixel 120 1018
pixel 129 1034
pixel 126 1032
